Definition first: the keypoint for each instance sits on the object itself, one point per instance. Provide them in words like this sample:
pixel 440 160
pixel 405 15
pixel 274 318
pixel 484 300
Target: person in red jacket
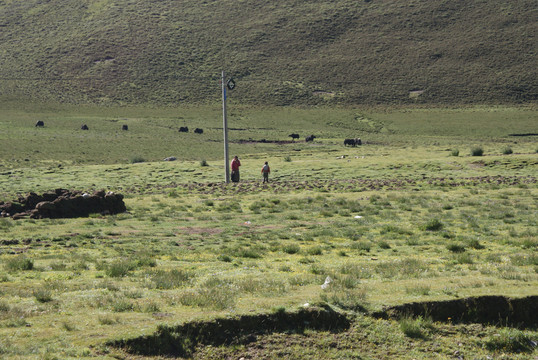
pixel 235 169
pixel 265 171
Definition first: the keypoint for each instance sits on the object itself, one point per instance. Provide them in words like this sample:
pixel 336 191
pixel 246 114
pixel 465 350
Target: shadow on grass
pixel 181 340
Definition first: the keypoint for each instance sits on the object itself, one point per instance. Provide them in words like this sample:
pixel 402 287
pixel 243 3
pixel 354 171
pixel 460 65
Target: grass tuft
pixel 433 225
pixel 477 151
pixel 19 263
pixel 511 340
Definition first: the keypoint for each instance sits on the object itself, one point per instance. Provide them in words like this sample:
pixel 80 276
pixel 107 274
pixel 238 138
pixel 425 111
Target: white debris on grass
pixel 328 280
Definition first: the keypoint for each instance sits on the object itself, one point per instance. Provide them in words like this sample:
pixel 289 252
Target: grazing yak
pixel 125 127
pixel 39 123
pixel 293 136
pixel 310 138
pixel 84 127
pixel 183 129
pixel 353 142
pixel 198 131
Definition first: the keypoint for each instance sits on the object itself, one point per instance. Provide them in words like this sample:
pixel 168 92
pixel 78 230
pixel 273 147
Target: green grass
pixel 393 221
pixel 296 53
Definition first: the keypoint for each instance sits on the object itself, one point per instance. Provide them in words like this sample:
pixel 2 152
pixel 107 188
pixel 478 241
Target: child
pixel 265 171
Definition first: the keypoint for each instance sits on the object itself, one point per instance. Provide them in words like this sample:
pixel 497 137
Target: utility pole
pixel 225 128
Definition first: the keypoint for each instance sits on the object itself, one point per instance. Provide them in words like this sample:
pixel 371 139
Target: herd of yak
pixel 350 142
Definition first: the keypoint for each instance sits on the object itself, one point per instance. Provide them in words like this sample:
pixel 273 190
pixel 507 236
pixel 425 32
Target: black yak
pixel 353 142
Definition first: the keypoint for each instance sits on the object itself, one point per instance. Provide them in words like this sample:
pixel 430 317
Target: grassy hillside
pixel 290 52
pixel 409 216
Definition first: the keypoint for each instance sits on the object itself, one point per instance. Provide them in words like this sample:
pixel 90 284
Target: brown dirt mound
pixel 493 310
pixel 183 339
pixel 63 204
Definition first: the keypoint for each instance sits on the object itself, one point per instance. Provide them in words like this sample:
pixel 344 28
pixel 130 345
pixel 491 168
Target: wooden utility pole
pixel 225 128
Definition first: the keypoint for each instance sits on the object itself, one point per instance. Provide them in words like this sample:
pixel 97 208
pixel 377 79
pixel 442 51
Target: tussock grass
pixel 19 263
pixel 511 341
pixel 415 327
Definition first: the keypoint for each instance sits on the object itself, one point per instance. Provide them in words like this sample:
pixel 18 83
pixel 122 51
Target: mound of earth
pixel 182 340
pixel 63 203
pixel 519 312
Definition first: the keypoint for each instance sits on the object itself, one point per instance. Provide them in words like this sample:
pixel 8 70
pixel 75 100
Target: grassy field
pixel 414 214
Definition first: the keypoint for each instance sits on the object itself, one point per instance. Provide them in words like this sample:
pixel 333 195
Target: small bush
pixel 214 293
pixel 455 152
pixel 475 244
pixel 419 290
pixel 4 307
pixel 507 150
pixel 143 260
pixel 5 223
pixel 136 159
pixel 58 266
pixel 107 319
pixel 151 307
pixel 19 263
pixel 477 151
pixel 347 299
pixel 510 340
pixel 414 328
pixel 122 305
pixel 224 258
pixel 203 163
pixel 291 249
pixel 249 254
pixel 433 225
pixel 456 248
pixel 463 258
pixel 119 269
pixel 362 246
pixel 287 158
pixel 43 295
pixel 170 279
pixel 68 326
pixel 315 251
pixel 384 245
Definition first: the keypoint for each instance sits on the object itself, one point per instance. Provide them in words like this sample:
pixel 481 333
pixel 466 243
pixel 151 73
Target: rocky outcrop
pixel 63 203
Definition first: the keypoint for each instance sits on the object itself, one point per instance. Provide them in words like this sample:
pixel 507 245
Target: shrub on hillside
pixel 477 151
pixel 136 159
pixel 433 225
pixel 507 150
pixel 19 263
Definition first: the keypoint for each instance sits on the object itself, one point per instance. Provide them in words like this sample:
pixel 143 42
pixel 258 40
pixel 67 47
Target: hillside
pixel 290 52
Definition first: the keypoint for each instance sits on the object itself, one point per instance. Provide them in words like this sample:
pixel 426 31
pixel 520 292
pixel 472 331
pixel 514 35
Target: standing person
pixel 265 171
pixel 235 169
